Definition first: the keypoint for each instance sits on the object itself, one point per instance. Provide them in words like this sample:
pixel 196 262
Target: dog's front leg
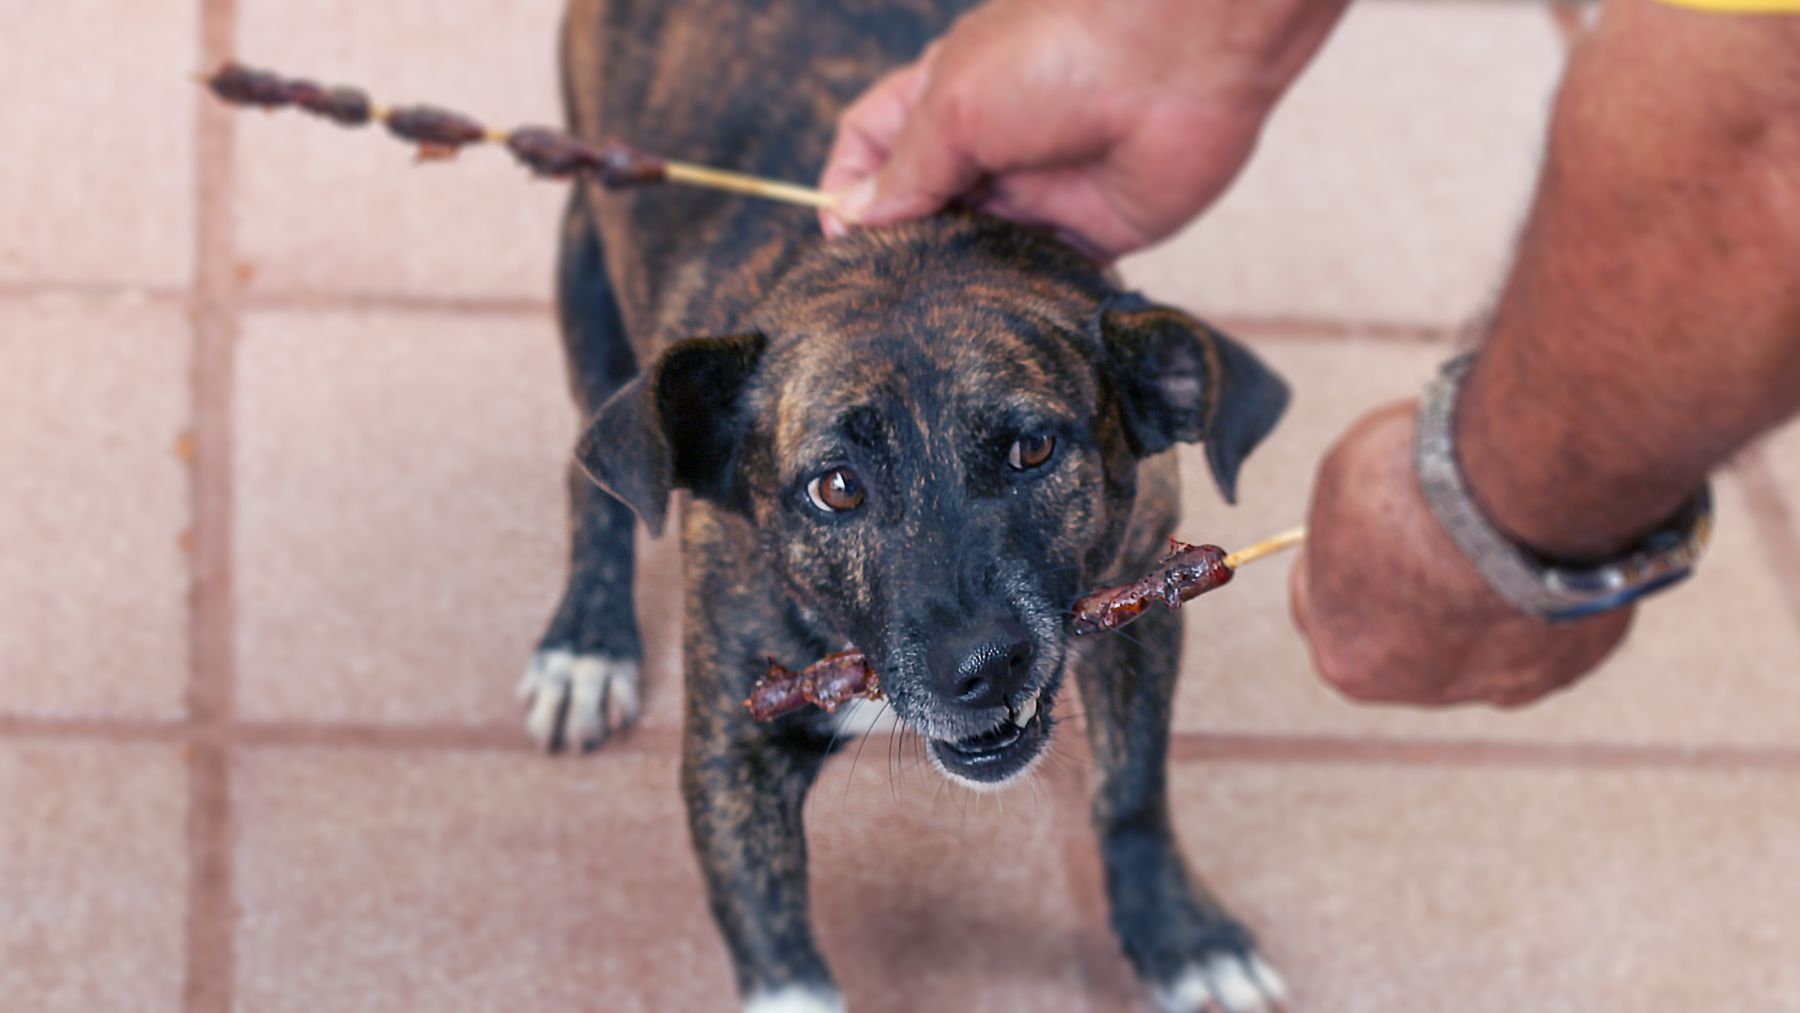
pixel 745 785
pixel 1178 937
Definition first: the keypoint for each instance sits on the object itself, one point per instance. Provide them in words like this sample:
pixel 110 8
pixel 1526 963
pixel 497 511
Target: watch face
pixel 1621 597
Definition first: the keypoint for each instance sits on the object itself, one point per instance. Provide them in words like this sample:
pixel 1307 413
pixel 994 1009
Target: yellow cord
pixel 1739 6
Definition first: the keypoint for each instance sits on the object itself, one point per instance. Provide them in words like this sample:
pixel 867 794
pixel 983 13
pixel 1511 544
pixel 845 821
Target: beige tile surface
pixel 1390 183
pixel 1712 663
pixel 97 173
pixel 93 876
pixel 387 881
pixel 384 881
pixel 929 896
pixel 93 505
pixel 401 533
pixel 325 209
pixel 398 528
pixel 1781 451
pixel 1396 888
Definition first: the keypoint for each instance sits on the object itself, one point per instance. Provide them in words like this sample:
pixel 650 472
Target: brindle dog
pixel 925 441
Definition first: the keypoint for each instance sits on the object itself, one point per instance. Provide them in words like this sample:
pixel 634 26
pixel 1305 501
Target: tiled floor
pixel 282 429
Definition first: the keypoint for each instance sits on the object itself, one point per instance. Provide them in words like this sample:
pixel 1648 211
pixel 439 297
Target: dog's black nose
pixel 984 668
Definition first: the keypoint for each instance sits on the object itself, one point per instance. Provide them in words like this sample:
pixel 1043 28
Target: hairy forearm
pixel 1257 48
pixel 1651 323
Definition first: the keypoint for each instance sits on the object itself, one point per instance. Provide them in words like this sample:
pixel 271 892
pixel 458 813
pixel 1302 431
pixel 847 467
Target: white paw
pixel 1226 983
pixel 796 999
pixel 577 699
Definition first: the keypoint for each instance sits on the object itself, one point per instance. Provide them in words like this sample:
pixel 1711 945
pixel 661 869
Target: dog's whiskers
pixel 845 804
pixel 893 743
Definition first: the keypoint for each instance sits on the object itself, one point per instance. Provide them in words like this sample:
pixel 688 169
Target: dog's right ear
pixel 1184 382
pixel 676 425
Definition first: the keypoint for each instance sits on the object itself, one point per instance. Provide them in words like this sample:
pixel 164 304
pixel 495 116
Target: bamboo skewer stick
pixel 441 133
pixel 755 186
pixel 1267 547
pixel 1186 573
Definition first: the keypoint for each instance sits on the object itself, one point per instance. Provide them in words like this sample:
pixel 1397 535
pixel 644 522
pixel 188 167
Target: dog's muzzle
pixel 1005 751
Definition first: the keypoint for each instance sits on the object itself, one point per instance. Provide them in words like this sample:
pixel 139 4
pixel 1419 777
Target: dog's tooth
pixel 1026 712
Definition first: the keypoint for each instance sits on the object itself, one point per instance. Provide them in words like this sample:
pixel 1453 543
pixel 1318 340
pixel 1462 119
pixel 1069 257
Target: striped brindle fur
pixel 722 348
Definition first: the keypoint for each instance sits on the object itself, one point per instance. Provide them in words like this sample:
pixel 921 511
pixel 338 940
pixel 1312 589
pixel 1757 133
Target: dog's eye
pixel 1031 451
pixel 836 491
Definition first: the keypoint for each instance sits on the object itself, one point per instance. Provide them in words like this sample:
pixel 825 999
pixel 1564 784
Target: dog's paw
pixel 1226 982
pixel 577 700
pixel 796 999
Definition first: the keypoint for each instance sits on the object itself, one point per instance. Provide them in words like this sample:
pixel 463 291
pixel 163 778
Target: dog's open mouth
pixel 1001 753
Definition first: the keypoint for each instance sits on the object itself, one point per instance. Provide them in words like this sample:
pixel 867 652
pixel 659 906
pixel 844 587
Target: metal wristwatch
pixel 1531 583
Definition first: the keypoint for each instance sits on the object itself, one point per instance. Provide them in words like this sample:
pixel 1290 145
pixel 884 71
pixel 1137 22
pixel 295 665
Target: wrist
pixel 1557 587
pixel 1550 470
pixel 1237 55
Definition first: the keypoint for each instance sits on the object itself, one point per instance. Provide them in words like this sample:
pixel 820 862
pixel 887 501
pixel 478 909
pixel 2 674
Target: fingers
pixel 866 132
pixel 1068 199
pixel 928 165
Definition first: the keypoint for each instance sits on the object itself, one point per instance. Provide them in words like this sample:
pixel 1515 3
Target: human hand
pixel 1113 125
pixel 1394 612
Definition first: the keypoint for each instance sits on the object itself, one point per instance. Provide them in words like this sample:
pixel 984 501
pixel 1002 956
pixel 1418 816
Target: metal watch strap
pixel 1527 581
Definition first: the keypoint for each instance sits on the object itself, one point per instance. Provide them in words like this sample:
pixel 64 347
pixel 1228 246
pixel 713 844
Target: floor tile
pixel 1385 888
pixel 1392 180
pixel 401 529
pixel 97 174
pixel 93 579
pixel 321 209
pixel 929 896
pixel 392 881
pixel 377 881
pixel 93 877
pixel 1709 664
pixel 1781 453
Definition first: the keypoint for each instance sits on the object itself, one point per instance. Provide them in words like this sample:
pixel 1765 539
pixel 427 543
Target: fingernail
pixel 852 203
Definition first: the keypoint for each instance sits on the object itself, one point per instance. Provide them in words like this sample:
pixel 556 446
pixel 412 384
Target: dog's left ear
pixel 1182 381
pixel 675 426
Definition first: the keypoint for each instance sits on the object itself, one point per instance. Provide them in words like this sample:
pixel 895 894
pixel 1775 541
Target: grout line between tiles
pixel 84 292
pixel 1777 525
pixel 1296 328
pixel 509 738
pixel 1184 747
pixel 1257 328
pixel 350 301
pixel 1476 753
pixel 208 975
pixel 21 726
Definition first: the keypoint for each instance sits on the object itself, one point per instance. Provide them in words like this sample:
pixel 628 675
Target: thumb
pixel 928 166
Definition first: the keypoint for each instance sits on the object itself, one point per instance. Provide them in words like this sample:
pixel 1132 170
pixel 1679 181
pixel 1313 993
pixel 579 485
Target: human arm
pixel 1649 328
pixel 1114 123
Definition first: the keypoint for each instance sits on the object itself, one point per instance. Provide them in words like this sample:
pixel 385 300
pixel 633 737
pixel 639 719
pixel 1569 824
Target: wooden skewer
pixel 1187 572
pixel 1266 547
pixel 744 183
pixel 441 132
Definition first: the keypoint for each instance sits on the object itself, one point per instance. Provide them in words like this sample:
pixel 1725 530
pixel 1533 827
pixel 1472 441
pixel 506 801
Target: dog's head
pixel 935 430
